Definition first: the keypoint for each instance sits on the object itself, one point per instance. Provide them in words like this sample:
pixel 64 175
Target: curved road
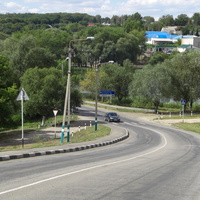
pixel 154 163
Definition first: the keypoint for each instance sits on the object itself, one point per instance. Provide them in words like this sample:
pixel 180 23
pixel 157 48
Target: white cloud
pixel 11 5
pixel 105 8
pixel 34 10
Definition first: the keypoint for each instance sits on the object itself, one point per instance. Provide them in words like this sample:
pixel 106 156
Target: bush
pixel 142 103
pixel 16 119
pixel 127 101
pixel 196 107
pixel 172 105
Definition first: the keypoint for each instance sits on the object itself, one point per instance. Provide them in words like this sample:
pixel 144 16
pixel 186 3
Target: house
pixel 91 24
pixel 191 40
pixel 157 41
pixel 161 42
pixel 172 30
pixel 158 37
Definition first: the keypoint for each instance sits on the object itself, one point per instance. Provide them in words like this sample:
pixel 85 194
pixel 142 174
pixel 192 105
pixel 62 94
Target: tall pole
pixel 22 115
pixel 67 94
pixel 69 85
pixel 96 100
pixel 64 114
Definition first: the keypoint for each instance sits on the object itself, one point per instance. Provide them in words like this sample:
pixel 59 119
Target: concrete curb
pixel 58 151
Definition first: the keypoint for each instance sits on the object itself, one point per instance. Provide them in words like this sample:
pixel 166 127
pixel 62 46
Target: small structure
pixel 192 40
pixel 183 47
pixel 172 30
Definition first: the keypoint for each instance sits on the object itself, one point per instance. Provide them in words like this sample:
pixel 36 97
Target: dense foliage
pixel 177 78
pixel 34 55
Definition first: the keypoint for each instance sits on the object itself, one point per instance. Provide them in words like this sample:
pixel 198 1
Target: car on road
pixel 112 117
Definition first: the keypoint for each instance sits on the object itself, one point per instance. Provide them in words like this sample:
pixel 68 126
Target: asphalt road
pixel 154 163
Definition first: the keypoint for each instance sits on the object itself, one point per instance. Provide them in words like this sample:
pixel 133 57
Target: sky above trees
pixel 105 8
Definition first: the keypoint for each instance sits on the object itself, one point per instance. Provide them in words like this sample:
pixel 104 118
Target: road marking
pixel 89 168
pixel 128 123
pixel 131 124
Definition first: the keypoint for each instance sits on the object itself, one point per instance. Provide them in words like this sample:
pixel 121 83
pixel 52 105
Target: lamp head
pixel 90 38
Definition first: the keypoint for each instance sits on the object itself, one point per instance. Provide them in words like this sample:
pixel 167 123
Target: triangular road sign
pixel 22 95
pixel 55 112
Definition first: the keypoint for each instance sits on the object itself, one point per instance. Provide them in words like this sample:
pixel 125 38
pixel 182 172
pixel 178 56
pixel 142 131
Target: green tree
pixel 151 83
pixel 185 76
pixel 182 20
pixel 148 20
pixel 157 58
pixel 177 78
pixel 167 20
pixel 8 94
pixel 109 52
pixel 23 54
pixel 116 78
pixel 127 48
pixel 196 19
pixel 155 26
pixel 131 25
pixel 89 82
pixel 46 90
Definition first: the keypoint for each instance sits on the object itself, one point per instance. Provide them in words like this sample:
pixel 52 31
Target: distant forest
pixel 10 23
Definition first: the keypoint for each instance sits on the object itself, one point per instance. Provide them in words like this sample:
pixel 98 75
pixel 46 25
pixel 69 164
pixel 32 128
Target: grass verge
pixel 80 136
pixel 194 127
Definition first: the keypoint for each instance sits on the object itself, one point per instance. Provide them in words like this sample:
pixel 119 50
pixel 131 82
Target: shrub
pixel 142 103
pixel 196 107
pixel 172 105
pixel 16 119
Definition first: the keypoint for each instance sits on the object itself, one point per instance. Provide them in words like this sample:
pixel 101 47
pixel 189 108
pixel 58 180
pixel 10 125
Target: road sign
pixel 183 102
pixel 22 95
pixel 107 93
pixel 55 112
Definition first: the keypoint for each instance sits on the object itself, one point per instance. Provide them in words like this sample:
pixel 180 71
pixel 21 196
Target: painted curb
pixel 58 151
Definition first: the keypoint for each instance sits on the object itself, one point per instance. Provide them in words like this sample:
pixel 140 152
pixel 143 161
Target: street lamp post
pixel 67 94
pixel 96 98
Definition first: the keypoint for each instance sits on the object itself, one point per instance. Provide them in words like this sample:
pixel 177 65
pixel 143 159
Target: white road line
pixel 131 124
pixel 89 168
pixel 128 123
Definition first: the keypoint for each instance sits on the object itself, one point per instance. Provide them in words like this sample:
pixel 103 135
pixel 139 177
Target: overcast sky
pixel 105 8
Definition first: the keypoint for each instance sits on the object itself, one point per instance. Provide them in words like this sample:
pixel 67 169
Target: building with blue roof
pixel 157 37
pixel 159 41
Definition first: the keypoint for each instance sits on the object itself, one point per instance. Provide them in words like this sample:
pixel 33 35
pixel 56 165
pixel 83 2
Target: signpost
pixel 55 113
pixel 22 96
pixel 107 93
pixel 183 103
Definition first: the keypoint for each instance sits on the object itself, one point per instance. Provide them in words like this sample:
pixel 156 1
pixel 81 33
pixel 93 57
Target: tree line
pixel 10 23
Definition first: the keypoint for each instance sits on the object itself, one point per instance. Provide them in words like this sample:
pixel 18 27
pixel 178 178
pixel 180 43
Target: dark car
pixel 112 117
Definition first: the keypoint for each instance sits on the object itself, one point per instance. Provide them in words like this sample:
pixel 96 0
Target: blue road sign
pixel 107 93
pixel 183 102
